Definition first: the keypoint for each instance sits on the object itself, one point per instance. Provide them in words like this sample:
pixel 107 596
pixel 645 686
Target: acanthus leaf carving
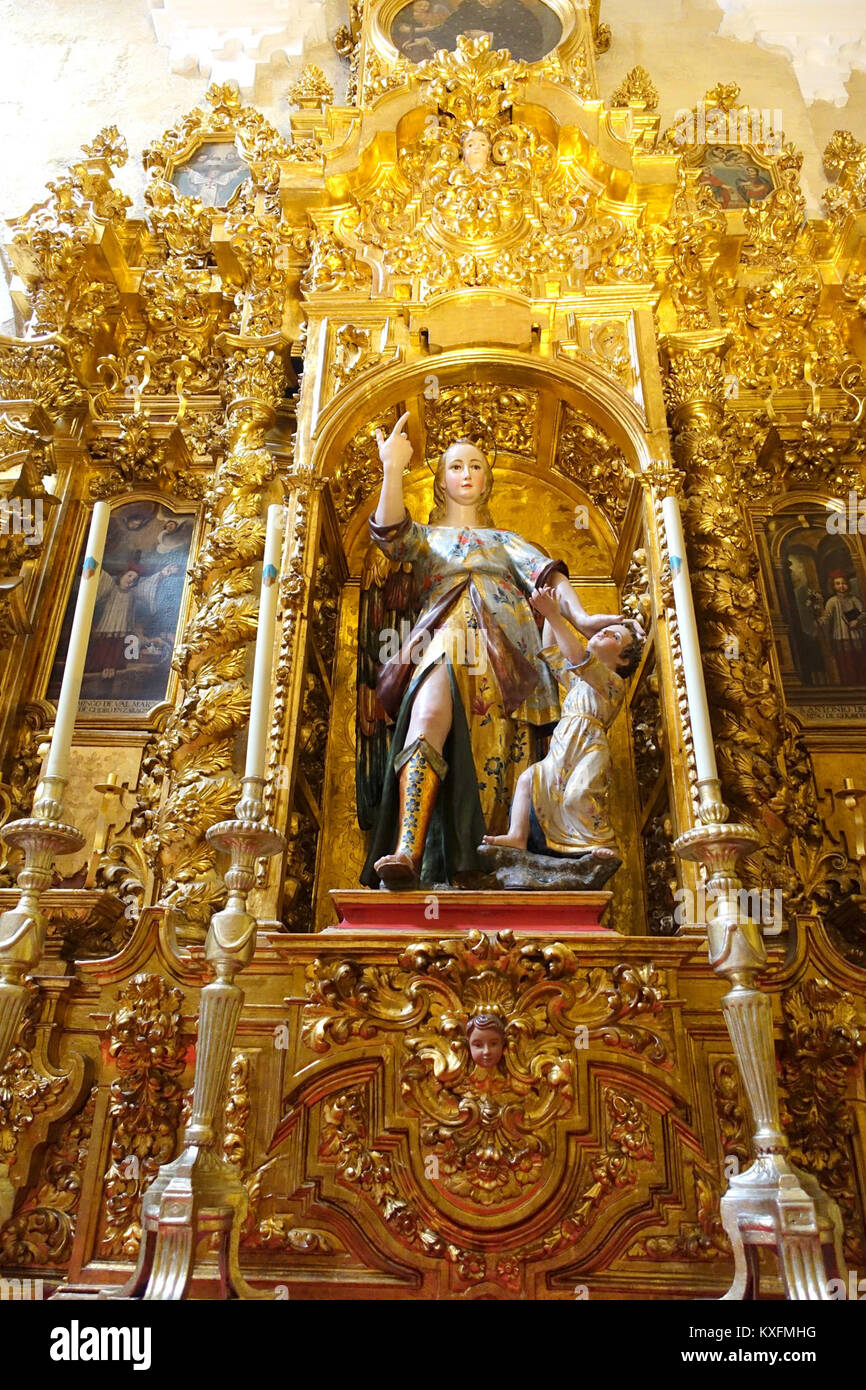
pixel 147 1044
pixel 490 1130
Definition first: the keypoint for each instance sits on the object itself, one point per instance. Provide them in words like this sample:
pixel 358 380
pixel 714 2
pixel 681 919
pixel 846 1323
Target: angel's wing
pixel 384 620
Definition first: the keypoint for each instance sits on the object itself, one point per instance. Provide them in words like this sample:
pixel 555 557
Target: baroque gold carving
pixel 612 1168
pixel 333 266
pixel 734 624
pixel 137 459
pixel 40 370
pixel 312 88
pixel 259 141
pixel 146 1043
pixel 730 1110
pixel 357 471
pixel 502 420
pixel 845 161
pixel 647 734
pixel 703 1239
pixel 195 750
pixel 286 744
pixel 133 374
pixel 661 868
pixel 52 241
pixel 237 1111
pixel 823 1043
pixel 588 457
pixel 346 1141
pixel 41 1232
pixel 692 236
pixel 261 1231
pixel 347 42
pixel 24 1091
pixel 480 199
pixel 354 354
pixel 349 1001
pixel 485 1134
pixel 636 86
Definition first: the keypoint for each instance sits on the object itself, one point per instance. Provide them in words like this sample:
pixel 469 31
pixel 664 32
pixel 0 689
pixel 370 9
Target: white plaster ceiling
pixel 825 40
pixel 206 37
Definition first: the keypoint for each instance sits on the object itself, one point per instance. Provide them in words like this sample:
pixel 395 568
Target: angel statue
pixel 465 684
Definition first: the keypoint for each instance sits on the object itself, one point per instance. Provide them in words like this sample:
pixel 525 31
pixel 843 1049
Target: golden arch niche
pixel 564 478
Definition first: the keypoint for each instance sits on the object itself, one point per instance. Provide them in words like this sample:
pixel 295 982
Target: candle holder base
pixel 772 1203
pixel 199 1194
pixel 22 927
pixel 43 836
pixel 775 1205
pixel 720 846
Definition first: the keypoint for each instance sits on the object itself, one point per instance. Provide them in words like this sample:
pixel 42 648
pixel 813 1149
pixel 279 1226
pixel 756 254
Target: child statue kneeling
pixel 560 804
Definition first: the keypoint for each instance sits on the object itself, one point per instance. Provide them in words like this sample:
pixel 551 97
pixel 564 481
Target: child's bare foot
pixel 508 841
pixel 602 853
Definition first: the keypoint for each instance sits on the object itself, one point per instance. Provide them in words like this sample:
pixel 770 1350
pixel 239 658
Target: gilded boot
pixel 420 770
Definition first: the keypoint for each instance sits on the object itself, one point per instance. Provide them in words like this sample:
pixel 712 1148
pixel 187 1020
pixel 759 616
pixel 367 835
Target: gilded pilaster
pixel 197 751
pixel 731 617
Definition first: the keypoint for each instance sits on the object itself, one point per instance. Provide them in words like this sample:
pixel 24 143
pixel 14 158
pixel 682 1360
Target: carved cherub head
pixel 477 149
pixel 486 1035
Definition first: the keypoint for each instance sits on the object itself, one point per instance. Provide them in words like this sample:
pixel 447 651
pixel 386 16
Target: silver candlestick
pixel 43 836
pixel 200 1193
pixel 772 1203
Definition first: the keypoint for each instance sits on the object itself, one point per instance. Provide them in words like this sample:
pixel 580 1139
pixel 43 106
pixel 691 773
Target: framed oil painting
pixel 138 605
pixel 212 174
pixel 733 177
pixel 816 581
pixel 529 29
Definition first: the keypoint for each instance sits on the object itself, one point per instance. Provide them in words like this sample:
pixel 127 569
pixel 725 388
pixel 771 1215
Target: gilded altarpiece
pixel 474 239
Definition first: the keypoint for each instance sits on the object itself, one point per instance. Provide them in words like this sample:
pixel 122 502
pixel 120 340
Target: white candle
pixel 260 706
pixel 57 764
pixel 699 712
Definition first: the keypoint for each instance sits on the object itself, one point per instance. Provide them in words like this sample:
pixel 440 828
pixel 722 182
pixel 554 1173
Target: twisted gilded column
pixel 772 1203
pixel 196 751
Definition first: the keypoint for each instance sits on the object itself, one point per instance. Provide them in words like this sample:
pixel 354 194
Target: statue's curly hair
pixel 629 657
pixel 485 1021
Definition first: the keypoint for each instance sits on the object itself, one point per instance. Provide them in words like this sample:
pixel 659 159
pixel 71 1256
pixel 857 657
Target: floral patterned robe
pixel 474 587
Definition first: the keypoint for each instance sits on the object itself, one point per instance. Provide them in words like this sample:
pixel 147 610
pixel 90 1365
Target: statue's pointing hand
pixel 395 451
